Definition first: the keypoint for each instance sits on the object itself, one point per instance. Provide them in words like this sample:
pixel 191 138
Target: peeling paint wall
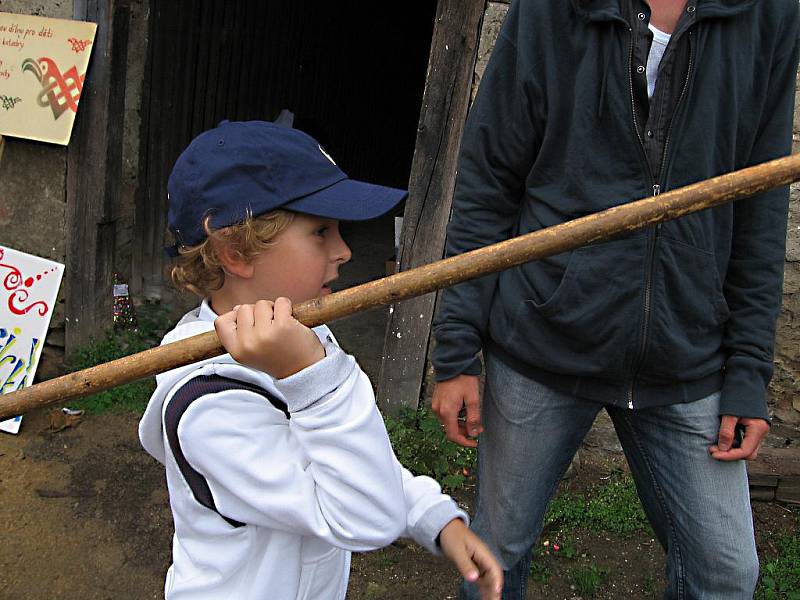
pixel 785 386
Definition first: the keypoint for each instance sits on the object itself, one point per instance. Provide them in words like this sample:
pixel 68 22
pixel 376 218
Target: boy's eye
pixel 321 231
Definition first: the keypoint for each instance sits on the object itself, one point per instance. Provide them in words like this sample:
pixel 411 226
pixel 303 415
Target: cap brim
pixel 349 200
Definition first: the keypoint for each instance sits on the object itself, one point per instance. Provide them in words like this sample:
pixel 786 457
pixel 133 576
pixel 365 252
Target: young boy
pixel 278 464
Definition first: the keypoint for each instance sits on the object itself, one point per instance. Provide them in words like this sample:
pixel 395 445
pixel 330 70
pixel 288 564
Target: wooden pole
pixel 620 219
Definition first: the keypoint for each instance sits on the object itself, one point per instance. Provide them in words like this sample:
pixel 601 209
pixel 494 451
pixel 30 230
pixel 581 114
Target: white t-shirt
pixel 657 48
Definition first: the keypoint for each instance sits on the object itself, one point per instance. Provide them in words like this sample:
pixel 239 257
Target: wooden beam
pixel 444 110
pixel 94 168
pixel 776 471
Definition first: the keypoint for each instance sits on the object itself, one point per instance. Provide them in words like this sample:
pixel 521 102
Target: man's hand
pixel 449 397
pixel 754 432
pixel 472 559
pixel 267 337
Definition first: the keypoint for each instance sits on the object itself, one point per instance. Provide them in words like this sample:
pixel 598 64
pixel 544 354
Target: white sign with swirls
pixel 28 291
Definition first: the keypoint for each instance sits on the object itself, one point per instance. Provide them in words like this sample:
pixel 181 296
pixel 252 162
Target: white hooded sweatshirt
pixel 310 489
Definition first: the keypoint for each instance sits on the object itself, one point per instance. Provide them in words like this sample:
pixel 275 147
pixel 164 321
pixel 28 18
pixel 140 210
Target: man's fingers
pixel 754 432
pixel 455 431
pixel 463 440
pixel 474 425
pixel 727 429
pixel 450 397
pixel 728 455
pixel 747 451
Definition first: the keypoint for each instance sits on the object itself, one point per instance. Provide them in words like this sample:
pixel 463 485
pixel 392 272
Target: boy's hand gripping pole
pixel 621 219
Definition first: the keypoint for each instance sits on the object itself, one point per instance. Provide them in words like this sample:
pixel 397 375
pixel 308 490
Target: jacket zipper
pixel 652 242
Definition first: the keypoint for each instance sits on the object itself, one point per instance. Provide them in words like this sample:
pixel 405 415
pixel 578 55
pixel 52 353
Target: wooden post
pixel 94 167
pixel 444 108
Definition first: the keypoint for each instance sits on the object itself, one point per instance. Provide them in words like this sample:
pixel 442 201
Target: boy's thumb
pixel 467 568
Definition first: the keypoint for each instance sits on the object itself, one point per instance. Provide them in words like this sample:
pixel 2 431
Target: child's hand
pixel 472 558
pixel 267 337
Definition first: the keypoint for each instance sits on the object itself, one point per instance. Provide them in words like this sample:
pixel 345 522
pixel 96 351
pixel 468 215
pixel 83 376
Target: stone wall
pixel 785 386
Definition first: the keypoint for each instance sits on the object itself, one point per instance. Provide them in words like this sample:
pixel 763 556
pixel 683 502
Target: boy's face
pixel 303 261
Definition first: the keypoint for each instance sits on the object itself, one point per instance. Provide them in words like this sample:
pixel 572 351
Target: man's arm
pixel 755 271
pixel 500 141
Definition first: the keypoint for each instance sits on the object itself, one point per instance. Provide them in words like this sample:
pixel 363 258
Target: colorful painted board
pixel 43 65
pixel 28 290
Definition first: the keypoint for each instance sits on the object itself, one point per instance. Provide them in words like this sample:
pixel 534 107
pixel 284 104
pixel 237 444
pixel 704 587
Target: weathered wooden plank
pixel 762 494
pixel 781 462
pixel 94 169
pixel 788 490
pixel 444 109
pixel 761 480
pixel 138 262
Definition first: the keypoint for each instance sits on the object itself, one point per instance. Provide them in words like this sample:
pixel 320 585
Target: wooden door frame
pixel 94 173
pixel 445 102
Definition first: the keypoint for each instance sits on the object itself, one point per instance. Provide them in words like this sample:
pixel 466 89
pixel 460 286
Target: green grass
pixel 152 323
pixel 421 446
pixel 613 507
pixel 780 576
pixel 540 572
pixel 587 580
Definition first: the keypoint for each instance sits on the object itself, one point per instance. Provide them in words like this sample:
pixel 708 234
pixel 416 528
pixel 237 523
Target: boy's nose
pixel 342 253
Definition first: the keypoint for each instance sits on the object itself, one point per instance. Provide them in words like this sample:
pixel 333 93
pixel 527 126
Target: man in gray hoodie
pixel 585 105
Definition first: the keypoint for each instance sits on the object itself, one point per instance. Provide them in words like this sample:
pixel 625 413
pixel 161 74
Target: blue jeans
pixel 698 507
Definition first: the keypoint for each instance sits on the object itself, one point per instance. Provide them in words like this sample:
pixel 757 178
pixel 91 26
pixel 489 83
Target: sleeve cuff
pixel 313 383
pixel 471 367
pixel 426 530
pixel 744 394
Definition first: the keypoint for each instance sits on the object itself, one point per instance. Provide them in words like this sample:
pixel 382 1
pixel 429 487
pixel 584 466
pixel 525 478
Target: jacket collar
pixel 612 10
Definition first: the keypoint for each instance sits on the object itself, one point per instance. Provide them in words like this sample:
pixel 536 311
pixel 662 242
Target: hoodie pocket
pixel 688 315
pixel 587 325
pixel 322 571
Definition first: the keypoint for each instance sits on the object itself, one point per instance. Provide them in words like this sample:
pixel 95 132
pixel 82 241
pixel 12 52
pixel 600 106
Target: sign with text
pixel 43 65
pixel 28 290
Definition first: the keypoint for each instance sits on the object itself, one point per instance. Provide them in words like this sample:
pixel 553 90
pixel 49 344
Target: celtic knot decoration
pixel 79 45
pixel 8 102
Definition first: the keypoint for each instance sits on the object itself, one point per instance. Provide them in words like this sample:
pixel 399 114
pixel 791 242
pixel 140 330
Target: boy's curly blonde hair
pixel 198 268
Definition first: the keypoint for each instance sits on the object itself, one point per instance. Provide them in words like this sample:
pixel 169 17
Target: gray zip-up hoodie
pixel 665 315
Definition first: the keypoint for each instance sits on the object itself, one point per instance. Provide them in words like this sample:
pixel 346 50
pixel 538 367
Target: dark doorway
pixel 353 74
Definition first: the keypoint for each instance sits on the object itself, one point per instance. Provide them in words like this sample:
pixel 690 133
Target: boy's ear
pixel 233 264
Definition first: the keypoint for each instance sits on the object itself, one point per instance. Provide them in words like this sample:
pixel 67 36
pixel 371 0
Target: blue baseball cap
pixel 248 168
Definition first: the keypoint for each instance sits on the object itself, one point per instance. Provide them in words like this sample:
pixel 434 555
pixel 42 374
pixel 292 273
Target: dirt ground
pixel 84 514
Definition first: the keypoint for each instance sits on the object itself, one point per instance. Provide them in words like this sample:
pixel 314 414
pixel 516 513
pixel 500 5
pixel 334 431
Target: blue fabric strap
pixel 180 401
